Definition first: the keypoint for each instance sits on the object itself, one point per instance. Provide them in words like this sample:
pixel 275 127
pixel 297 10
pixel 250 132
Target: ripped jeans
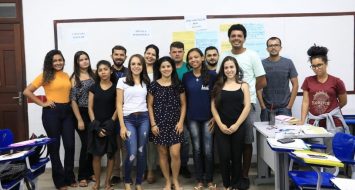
pixel 138 126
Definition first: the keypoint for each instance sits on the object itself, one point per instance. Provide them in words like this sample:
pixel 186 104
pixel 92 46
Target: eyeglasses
pixel 273 45
pixel 316 66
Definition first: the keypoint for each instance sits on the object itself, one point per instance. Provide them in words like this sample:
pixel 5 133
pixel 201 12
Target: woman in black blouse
pixel 82 79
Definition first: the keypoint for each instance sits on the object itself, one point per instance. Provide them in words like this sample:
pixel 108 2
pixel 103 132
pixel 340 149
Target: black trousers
pixel 59 124
pixel 85 159
pixel 230 149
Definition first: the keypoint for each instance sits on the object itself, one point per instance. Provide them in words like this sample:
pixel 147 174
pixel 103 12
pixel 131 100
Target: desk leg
pixel 281 171
pixel 278 173
pixel 285 164
pixel 263 169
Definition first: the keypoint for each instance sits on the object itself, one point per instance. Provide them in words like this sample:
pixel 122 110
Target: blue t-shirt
pixel 198 96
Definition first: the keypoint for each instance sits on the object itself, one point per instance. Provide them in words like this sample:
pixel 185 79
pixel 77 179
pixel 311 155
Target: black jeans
pixel 230 149
pixel 59 123
pixel 85 159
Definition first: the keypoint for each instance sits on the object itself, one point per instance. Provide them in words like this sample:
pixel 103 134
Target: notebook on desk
pixel 312 157
pixel 298 144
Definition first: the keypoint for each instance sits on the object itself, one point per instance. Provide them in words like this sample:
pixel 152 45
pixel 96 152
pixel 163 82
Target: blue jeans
pixel 185 148
pixel 138 126
pixel 264 114
pixel 202 144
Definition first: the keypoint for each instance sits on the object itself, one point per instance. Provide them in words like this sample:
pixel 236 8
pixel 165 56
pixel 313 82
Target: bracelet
pixel 154 125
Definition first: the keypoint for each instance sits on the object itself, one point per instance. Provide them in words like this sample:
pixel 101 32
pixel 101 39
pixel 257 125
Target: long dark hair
pixel 76 73
pixel 48 70
pixel 156 49
pixel 204 70
pixel 174 77
pixel 221 79
pixel 143 76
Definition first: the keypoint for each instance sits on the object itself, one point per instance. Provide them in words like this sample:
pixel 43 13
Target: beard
pixel 118 63
pixel 212 64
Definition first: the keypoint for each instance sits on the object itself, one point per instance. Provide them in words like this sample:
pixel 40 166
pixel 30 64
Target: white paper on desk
pixel 298 144
pixel 313 130
pixel 344 184
pixel 14 155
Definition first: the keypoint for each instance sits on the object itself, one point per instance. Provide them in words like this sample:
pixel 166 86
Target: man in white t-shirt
pixel 254 74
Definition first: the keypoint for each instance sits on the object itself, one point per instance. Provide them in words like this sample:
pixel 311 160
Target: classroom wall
pixel 38 16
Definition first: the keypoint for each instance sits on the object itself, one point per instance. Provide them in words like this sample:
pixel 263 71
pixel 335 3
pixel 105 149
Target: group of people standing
pixel 160 104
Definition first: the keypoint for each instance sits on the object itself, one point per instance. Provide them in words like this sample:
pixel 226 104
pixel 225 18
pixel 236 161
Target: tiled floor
pixel 45 183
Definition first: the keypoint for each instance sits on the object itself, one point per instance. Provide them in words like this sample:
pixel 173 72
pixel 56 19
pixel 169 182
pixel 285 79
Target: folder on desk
pixel 312 157
pixel 28 142
pixel 298 144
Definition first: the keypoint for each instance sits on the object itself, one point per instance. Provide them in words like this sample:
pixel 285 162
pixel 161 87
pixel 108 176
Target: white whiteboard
pixel 298 33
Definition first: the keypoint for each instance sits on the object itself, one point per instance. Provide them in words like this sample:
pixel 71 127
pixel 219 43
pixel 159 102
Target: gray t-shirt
pixel 278 75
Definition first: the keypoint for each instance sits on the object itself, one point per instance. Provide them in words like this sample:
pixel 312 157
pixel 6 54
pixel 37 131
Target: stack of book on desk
pixel 298 144
pixel 287 119
pixel 318 158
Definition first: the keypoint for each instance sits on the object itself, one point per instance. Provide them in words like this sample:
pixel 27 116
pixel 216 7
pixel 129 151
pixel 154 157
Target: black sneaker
pixel 244 183
pixel 184 171
pixel 115 180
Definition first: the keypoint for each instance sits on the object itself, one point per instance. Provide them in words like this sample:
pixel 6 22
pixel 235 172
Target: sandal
pixel 109 187
pixel 93 178
pixel 74 184
pixel 199 186
pixel 151 179
pixel 95 187
pixel 83 183
pixel 212 186
pixel 138 187
pixel 127 186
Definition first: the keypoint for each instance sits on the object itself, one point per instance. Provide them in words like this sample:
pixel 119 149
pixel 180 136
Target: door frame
pixel 19 47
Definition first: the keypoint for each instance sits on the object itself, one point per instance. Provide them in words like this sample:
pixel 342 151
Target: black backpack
pixel 38 151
